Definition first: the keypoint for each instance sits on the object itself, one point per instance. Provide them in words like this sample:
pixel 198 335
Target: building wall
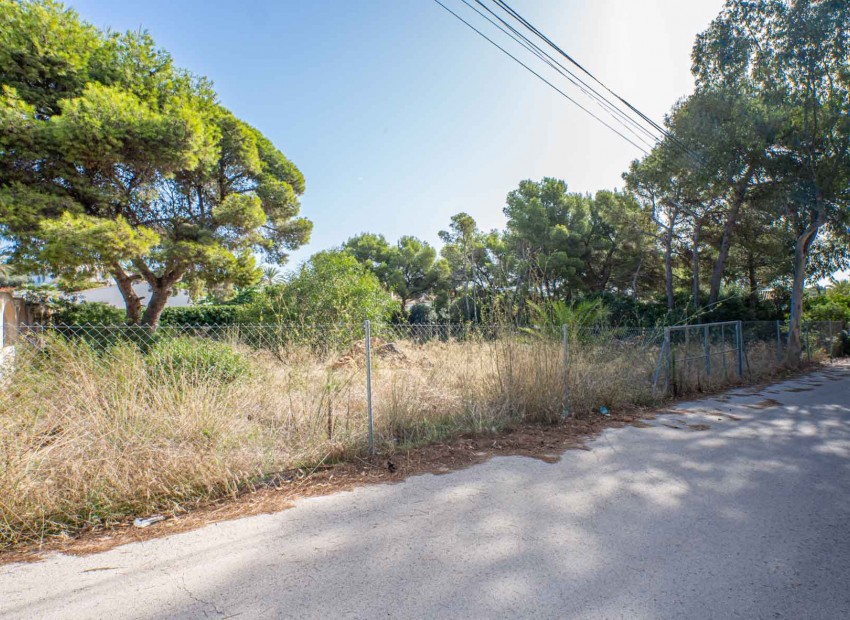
pixel 9 307
pixel 112 296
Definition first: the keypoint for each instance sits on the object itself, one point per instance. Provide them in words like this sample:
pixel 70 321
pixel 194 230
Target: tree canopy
pixel 331 288
pixel 113 160
pixel 409 268
pixel 791 59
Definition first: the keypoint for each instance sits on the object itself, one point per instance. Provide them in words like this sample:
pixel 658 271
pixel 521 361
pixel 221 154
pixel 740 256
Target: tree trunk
pixel 607 269
pixel 668 275
pixel 668 259
pixel 161 289
pixel 466 298
pixel 695 262
pixel 158 301
pixel 132 302
pixel 635 280
pixel 726 238
pixel 751 268
pixel 794 349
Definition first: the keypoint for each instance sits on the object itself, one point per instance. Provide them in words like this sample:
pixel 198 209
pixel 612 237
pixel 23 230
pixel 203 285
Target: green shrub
pixel 832 304
pixel 90 313
pixel 828 310
pixel 422 314
pixel 198 358
pixel 844 339
pixel 330 288
pixel 201 315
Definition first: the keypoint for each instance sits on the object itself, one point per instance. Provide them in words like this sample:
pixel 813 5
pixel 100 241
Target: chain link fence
pixel 100 420
pixel 405 384
pixel 705 357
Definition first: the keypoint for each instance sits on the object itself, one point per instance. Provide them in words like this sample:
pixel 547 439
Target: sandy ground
pixel 736 506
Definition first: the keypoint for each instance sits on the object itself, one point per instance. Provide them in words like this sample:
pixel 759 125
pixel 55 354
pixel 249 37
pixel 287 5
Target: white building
pixel 112 296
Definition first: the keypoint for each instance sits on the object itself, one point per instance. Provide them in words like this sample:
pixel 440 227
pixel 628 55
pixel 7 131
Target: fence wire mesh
pixel 705 357
pixel 428 379
pixel 108 415
pixel 303 388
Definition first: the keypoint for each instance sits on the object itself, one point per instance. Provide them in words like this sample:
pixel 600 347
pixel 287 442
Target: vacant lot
pixel 99 425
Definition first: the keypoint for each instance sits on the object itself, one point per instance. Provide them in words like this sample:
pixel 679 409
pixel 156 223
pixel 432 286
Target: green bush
pixel 330 288
pixel 421 314
pixel 201 315
pixel 90 313
pixel 832 304
pixel 198 358
pixel 828 310
pixel 844 339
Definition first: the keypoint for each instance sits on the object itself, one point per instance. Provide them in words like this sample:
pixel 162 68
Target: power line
pixel 674 140
pixel 564 71
pixel 620 116
pixel 624 119
pixel 540 77
pixel 536 74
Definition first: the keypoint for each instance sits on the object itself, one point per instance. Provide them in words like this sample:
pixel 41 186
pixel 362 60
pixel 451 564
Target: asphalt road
pixel 749 518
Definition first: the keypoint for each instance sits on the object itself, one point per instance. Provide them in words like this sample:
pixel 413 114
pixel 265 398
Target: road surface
pixel 747 518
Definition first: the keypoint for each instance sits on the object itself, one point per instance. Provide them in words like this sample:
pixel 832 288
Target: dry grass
pixel 89 437
pixel 612 374
pixel 692 376
pixel 86 439
pixel 443 388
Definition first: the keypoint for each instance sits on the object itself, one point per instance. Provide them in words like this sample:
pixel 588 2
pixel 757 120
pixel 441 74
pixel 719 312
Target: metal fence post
pixel 670 367
pixel 778 343
pixel 369 387
pixel 662 358
pixel 808 344
pixel 830 342
pixel 739 344
pixel 707 336
pixel 566 337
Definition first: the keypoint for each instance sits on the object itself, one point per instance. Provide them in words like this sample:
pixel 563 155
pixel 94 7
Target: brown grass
pixel 91 437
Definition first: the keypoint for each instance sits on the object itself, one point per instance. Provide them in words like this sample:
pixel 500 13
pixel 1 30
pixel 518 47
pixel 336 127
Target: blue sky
pixel 399 116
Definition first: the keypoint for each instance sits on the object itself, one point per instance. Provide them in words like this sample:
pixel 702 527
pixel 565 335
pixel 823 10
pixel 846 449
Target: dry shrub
pixel 88 437
pixel 610 373
pixel 474 385
pixel 92 434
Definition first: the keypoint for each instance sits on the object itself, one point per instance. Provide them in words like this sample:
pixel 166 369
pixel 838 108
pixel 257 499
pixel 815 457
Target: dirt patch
pixel 699 427
pixel 355 357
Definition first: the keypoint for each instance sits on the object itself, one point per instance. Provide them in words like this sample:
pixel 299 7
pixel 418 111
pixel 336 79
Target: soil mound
pixel 355 357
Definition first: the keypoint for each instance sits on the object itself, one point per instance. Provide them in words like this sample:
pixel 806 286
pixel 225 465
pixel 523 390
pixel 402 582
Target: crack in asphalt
pixel 181 584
